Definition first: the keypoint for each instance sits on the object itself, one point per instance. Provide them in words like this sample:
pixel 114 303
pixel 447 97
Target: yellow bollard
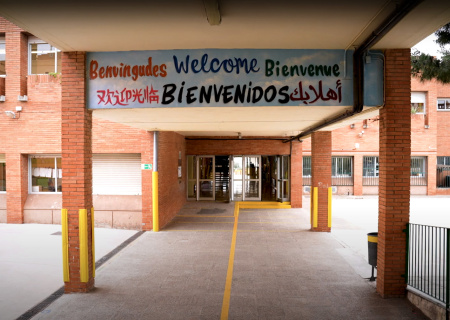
pixel 93 242
pixel 330 196
pixel 155 201
pixel 83 238
pixel 316 207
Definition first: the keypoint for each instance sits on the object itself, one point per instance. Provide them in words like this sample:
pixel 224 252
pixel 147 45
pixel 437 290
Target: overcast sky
pixel 428 46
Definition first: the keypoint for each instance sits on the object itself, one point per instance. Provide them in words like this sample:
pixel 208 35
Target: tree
pixel 426 67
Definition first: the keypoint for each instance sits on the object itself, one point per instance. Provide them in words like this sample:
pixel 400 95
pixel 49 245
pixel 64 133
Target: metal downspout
pixel 358 65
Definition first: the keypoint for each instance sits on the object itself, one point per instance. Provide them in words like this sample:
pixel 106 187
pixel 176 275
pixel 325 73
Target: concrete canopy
pixel 284 24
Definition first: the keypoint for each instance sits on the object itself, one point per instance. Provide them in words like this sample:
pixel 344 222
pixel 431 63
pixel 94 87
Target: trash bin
pixel 372 239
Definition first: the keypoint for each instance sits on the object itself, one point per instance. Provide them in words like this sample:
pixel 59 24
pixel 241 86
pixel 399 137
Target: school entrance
pixel 238 178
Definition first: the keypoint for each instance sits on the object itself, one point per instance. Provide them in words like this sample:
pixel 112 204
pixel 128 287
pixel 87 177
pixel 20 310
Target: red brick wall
pixel 172 190
pixel 237 147
pixel 321 174
pixel 394 188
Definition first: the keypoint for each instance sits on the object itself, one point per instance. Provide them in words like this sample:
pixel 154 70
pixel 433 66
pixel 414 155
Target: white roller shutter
pixel 2 157
pixel 116 174
pixel 418 97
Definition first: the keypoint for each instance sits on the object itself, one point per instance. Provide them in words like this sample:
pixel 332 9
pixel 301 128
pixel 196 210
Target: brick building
pixel 355 147
pixel 76 135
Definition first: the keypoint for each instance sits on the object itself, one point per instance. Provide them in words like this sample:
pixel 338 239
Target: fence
pixel 428 261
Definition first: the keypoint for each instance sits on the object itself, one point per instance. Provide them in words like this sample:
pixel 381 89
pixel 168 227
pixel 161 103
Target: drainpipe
pixel 358 65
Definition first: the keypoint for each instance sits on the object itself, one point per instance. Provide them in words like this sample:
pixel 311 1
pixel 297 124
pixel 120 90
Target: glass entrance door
pixel 246 178
pixel 237 178
pixel 283 178
pixel 205 178
pixel 252 177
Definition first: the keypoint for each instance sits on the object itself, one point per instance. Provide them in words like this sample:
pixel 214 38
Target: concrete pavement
pixel 280 269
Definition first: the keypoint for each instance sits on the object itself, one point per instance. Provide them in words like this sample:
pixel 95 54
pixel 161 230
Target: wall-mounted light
pixel 11 114
pixel 361 133
pixel 352 126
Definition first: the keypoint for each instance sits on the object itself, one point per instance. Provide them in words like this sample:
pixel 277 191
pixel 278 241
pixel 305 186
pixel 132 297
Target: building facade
pixel 355 163
pixel 206 168
pixel 191 168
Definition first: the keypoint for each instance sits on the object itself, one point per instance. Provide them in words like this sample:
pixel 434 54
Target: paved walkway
pixel 31 263
pixel 280 270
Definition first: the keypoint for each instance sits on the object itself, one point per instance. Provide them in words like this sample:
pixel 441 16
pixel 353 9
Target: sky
pixel 428 46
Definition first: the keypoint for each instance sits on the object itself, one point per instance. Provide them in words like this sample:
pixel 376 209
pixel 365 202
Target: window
pixel 44 58
pixel 46 174
pixel 2 173
pixel 443 161
pixel 307 170
pixel 418 102
pixel 443 104
pixel 418 171
pixel 2 57
pixel 370 171
pixel 443 172
pixel 341 171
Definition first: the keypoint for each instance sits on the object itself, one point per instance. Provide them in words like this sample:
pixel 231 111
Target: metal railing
pixel 428 261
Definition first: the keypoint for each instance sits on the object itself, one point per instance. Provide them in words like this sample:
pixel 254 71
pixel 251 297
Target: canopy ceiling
pixel 174 24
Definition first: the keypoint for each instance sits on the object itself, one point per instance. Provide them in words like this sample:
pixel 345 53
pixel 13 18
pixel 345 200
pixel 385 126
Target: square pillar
pixel 321 176
pixel 76 145
pixel 394 185
pixel 17 182
pixel 296 174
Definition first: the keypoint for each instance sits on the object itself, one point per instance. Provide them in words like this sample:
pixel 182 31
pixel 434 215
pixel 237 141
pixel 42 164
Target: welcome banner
pixel 222 78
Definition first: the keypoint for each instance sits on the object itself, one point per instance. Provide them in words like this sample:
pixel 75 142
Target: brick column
pixel 17 182
pixel 357 174
pixel 321 175
pixel 147 197
pixel 394 188
pixel 76 145
pixel 296 174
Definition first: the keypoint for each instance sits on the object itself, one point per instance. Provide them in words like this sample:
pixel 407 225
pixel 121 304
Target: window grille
pixel 341 171
pixel 307 170
pixel 443 172
pixel 370 171
pixel 418 171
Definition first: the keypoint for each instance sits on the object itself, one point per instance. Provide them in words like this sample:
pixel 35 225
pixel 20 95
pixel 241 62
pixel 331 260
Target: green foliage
pixel 426 67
